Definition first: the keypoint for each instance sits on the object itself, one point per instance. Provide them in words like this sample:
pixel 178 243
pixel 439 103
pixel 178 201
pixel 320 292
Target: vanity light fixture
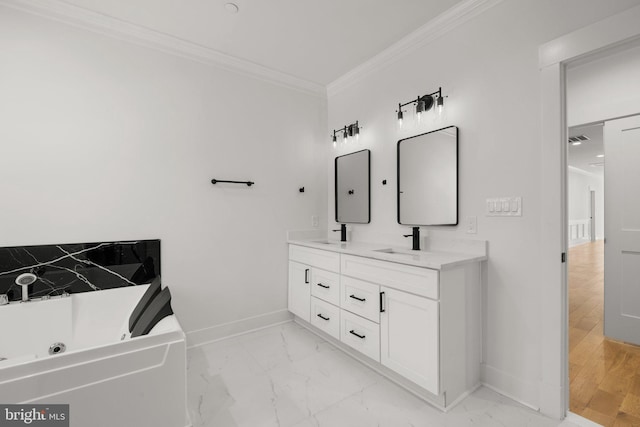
pixel 440 104
pixel 348 131
pixel 423 104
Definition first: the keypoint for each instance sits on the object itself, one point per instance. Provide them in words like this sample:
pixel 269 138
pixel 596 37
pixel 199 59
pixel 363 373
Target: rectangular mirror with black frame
pixel 353 187
pixel 428 178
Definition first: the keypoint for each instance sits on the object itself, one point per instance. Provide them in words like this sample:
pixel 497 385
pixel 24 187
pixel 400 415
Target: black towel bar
pixel 249 183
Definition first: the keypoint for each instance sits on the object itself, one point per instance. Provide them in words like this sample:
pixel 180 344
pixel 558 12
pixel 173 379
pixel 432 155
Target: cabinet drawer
pixel 417 280
pixel 362 298
pixel 325 285
pixel 326 317
pixel 315 257
pixel 360 334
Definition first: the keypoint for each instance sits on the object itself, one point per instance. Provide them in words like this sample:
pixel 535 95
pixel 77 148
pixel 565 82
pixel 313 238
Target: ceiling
pixel 315 40
pixel 583 156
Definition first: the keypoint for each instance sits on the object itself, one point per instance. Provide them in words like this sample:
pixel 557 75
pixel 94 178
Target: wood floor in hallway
pixel 604 374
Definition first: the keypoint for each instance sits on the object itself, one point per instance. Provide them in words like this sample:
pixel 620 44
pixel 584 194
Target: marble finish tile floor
pixel 286 376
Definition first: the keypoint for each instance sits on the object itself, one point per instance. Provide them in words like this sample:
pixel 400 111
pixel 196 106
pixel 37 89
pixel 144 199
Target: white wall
pixel 579 185
pixel 604 88
pixel 489 69
pixel 103 140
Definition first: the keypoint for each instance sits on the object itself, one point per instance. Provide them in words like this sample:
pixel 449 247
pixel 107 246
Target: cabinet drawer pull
pixel 306 275
pixel 356 298
pixel 323 286
pixel 322 317
pixel 382 307
pixel 352 332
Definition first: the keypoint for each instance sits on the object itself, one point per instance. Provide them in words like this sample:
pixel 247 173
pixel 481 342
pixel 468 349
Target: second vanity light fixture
pixel 423 104
pixel 348 131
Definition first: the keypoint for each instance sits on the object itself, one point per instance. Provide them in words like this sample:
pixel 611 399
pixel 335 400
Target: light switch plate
pixel 504 206
pixel 314 221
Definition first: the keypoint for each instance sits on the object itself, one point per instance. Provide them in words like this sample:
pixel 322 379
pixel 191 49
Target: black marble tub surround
pixel 79 267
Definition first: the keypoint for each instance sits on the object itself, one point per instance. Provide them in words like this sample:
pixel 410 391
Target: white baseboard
pixel 226 330
pixel 523 392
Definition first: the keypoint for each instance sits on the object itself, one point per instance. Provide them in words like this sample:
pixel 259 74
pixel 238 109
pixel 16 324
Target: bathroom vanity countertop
pixel 436 259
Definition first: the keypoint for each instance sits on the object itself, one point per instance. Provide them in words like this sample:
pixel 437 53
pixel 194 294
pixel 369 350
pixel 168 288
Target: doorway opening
pixel 591 358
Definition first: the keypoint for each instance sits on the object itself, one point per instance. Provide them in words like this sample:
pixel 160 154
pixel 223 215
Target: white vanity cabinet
pixel 311 272
pixel 419 326
pixel 408 312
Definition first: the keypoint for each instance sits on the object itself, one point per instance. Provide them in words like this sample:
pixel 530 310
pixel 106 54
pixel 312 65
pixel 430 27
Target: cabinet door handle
pixel 306 275
pixel 356 298
pixel 322 317
pixel 323 286
pixel 352 332
pixel 382 305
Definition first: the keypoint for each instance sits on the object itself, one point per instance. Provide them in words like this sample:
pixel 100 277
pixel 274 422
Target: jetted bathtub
pixel 108 378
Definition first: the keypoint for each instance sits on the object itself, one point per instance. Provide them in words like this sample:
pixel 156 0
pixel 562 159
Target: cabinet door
pixel 300 290
pixel 409 340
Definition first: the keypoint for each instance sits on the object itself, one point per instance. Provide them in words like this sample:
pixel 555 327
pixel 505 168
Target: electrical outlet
pixel 314 221
pixel 471 224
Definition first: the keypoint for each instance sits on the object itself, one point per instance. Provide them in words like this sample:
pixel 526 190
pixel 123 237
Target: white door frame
pixel 553 59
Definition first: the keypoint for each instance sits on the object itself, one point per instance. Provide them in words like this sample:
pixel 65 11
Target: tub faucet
pixel 24 280
pixel 343 232
pixel 416 238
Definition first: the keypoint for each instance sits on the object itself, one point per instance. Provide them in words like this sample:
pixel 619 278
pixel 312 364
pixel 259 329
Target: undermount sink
pixel 328 242
pixel 396 252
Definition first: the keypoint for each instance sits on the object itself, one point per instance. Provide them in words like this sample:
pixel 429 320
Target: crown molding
pixel 107 25
pixel 609 33
pixel 424 35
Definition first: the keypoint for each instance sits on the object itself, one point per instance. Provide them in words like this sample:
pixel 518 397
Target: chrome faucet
pixel 416 238
pixel 24 280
